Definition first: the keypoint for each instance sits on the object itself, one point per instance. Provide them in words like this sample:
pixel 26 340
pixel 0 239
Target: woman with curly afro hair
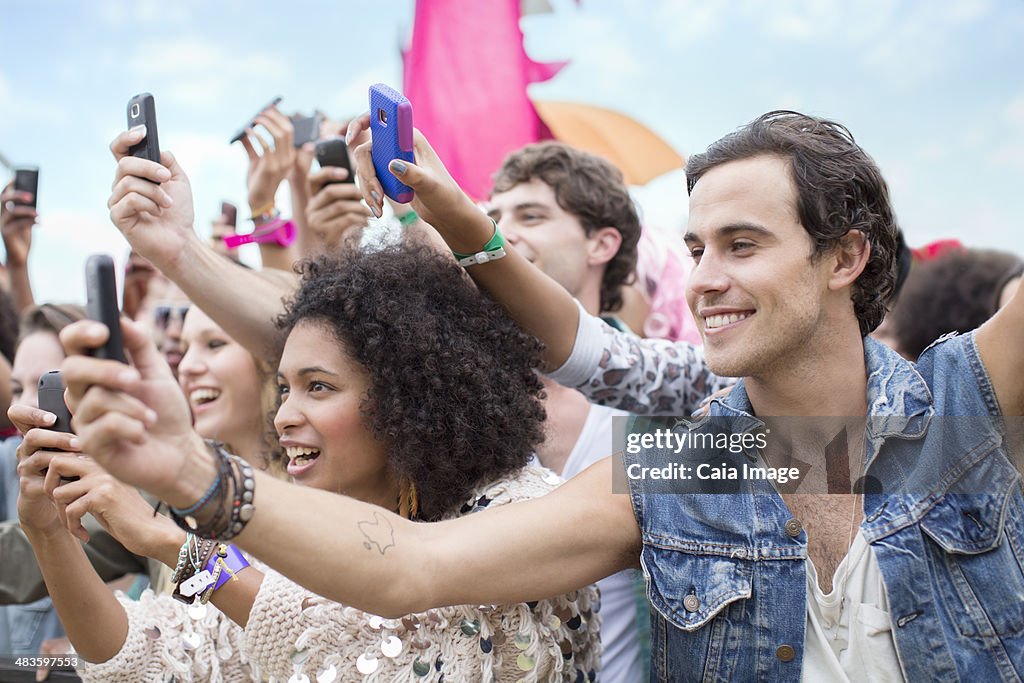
pixel 402 386
pixel 451 387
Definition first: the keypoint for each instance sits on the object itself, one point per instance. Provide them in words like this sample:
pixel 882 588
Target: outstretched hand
pixel 267 170
pixel 16 221
pixel 335 208
pixel 36 511
pixel 122 511
pixel 151 203
pixel 438 199
pixel 133 419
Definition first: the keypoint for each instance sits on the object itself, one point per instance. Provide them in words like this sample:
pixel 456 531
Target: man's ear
pixel 849 259
pixel 602 246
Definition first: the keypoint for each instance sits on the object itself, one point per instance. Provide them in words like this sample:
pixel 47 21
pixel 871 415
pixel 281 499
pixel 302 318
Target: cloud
pixel 18 107
pixel 917 36
pixel 925 42
pixel 960 12
pixel 7 111
pixel 933 152
pixel 352 98
pixel 1013 112
pixel 134 13
pixel 597 50
pixel 216 171
pixel 1008 155
pixel 195 72
pixel 62 242
pixel 680 22
pixel 804 21
pixel 663 203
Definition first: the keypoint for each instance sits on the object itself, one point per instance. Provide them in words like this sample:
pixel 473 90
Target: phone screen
pixel 334 152
pixel 27 180
pixel 230 213
pixel 307 129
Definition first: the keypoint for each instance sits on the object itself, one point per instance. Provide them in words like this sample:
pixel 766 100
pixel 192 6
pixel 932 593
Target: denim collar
pixel 899 400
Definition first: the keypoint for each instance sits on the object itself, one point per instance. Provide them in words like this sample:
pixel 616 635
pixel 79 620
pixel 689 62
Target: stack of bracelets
pixel 204 563
pixel 203 567
pixel 227 506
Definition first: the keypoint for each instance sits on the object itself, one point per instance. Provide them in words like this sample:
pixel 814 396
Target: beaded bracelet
pixel 202 501
pixel 216 490
pixel 242 508
pixel 196 551
pixel 179 568
pixel 228 512
pixel 186 518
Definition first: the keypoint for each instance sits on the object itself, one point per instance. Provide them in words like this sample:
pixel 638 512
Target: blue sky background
pixel 933 90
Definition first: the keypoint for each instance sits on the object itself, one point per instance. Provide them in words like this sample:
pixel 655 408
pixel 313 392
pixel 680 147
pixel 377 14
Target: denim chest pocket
pixel 978 559
pixel 690 589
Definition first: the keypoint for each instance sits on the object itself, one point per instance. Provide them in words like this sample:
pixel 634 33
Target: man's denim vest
pixel 728 584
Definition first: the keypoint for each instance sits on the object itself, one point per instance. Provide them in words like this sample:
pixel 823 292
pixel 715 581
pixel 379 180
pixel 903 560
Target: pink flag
pixel 466 74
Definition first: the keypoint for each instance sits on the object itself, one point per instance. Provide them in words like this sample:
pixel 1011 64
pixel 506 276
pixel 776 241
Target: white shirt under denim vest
pixel 728 584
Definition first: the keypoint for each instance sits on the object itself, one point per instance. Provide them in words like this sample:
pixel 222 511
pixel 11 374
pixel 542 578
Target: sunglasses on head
pixel 165 314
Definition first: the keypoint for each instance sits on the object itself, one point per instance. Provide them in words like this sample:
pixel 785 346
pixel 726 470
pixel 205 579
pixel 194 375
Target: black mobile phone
pixel 307 128
pixel 142 112
pixel 51 399
pixel 101 304
pixel 252 121
pixel 26 179
pixel 230 213
pixel 334 152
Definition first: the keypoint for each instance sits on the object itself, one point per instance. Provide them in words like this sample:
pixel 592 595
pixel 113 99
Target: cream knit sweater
pixel 295 635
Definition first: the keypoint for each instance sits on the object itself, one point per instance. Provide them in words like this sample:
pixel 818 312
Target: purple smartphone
pixel 391 131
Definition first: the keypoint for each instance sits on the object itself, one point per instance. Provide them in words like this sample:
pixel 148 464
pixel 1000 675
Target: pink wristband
pixel 280 232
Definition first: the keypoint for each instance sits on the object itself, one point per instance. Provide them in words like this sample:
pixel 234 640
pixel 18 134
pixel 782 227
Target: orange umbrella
pixel 639 152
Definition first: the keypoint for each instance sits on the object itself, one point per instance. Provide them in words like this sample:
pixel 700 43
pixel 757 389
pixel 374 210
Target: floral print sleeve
pixel 640 376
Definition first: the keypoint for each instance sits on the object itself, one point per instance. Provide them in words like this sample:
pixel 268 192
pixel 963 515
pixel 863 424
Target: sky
pixel 934 91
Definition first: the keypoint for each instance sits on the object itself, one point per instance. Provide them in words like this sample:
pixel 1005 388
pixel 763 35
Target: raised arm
pixel 118 638
pixel 16 224
pixel 370 559
pixel 387 565
pixel 266 171
pixel 1002 352
pixel 646 376
pixel 538 303
pixel 80 486
pixel 151 204
pixel 92 617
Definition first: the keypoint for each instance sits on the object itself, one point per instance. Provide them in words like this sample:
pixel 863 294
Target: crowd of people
pixel 357 463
